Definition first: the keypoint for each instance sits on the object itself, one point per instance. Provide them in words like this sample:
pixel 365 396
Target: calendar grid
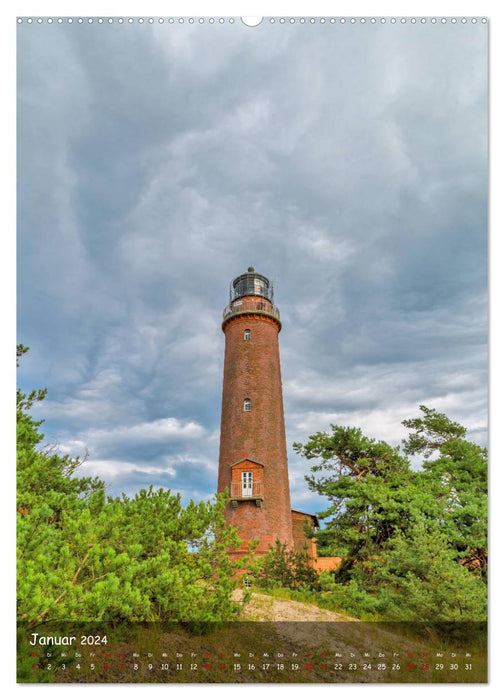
pixel 328 652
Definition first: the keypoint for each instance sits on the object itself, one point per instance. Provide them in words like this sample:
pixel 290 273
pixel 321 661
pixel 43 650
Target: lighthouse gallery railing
pixel 259 306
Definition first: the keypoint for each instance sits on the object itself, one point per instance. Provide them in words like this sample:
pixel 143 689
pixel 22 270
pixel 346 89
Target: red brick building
pixel 253 451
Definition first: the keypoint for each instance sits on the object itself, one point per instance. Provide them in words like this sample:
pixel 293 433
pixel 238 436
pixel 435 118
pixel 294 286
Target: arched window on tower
pixel 247 405
pixel 246 335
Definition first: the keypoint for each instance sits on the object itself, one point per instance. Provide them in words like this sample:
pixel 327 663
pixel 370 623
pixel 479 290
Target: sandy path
pixel 269 609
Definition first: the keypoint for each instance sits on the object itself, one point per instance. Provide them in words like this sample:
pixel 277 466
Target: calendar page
pixel 252 349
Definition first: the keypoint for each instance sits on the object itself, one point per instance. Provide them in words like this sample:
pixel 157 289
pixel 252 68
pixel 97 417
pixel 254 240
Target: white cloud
pixel 115 470
pixel 164 430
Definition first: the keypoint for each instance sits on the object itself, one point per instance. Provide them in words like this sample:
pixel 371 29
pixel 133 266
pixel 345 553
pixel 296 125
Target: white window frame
pixel 246 334
pixel 247 483
pixel 247 405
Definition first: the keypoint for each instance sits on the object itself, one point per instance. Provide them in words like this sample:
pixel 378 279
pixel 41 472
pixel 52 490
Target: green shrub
pixel 285 568
pixel 83 556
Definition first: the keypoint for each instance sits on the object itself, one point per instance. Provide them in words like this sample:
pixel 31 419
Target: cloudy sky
pixel 348 163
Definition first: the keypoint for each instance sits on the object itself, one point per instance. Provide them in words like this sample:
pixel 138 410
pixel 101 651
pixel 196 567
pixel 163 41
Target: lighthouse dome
pixel 251 283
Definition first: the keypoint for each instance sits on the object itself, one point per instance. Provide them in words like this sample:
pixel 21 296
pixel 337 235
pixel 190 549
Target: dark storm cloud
pixel 158 162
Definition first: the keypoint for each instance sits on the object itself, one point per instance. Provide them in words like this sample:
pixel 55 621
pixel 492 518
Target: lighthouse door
pixel 246 483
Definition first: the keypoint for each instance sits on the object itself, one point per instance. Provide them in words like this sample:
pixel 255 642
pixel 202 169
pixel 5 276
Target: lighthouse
pixel 253 453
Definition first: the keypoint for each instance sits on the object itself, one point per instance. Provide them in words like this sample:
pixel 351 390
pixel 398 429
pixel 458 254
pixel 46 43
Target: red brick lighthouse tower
pixel 253 452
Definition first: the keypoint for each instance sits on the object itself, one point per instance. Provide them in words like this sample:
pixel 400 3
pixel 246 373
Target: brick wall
pixel 252 370
pixel 301 542
pixel 327 563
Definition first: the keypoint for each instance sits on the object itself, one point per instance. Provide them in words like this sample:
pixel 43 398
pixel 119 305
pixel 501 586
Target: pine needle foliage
pixel 84 556
pixel 413 541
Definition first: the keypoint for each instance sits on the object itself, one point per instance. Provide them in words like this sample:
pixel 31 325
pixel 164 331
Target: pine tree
pixel 85 556
pixel 413 542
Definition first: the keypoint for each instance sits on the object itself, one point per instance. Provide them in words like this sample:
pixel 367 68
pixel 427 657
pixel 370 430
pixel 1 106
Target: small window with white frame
pixel 247 405
pixel 246 334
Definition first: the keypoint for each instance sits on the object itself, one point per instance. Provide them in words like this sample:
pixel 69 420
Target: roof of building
pixel 308 515
pixel 247 459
